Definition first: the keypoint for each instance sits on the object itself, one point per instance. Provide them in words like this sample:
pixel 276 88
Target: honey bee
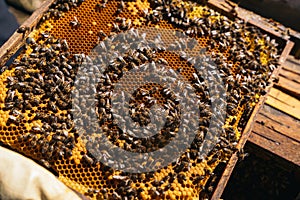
pixel 23 29
pixel 88 160
pixel 64 45
pixel 241 154
pixel 116 28
pixel 101 35
pixel 120 8
pixel 75 23
pixel 118 177
pixel 45 163
pixel 162 61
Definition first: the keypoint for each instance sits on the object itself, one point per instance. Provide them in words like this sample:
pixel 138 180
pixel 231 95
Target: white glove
pixel 21 178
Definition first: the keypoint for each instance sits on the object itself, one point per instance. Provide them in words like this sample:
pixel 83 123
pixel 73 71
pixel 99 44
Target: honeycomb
pixel 36 105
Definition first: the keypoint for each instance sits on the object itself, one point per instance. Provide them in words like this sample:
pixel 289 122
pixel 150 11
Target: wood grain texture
pixel 283 125
pixel 284 102
pixel 279 144
pixel 289 78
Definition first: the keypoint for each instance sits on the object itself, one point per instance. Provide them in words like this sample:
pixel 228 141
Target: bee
pixel 241 154
pixel 11 81
pixel 200 31
pixel 92 191
pixel 10 95
pixel 30 40
pixel 65 7
pixel 45 35
pixel 56 13
pixel 101 35
pixel 23 29
pixel 60 152
pixel 46 16
pixel 88 160
pixel 116 28
pixel 125 25
pixel 37 129
pixel 58 137
pixel 75 23
pixel 33 139
pixel 52 106
pixel 118 177
pixel 192 31
pixel 45 163
pixel 68 152
pixel 64 45
pixel 122 60
pixel 142 57
pixel 276 80
pixel 162 61
pixel 14 119
pixel 100 6
pixel 120 8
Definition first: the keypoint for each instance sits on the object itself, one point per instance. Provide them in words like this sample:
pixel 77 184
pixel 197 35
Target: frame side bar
pixel 11 46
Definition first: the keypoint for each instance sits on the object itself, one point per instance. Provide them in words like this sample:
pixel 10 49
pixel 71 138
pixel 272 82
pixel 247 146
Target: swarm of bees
pixel 40 116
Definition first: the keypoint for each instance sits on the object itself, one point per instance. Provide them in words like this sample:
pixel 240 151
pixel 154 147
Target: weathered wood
pixel 17 40
pixel 225 177
pixel 233 160
pixel 284 102
pixel 290 74
pixel 278 144
pixel 285 53
pixel 267 155
pixel 247 130
pixel 282 124
pixel 289 78
pixel 289 86
pixel 292 64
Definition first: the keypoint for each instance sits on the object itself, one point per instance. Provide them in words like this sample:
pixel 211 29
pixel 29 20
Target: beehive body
pixel 36 106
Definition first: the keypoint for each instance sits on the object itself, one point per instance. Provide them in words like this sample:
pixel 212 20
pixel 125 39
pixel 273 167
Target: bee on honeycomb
pixel 39 115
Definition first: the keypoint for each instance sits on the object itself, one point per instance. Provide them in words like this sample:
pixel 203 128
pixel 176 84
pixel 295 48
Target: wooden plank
pixel 290 74
pixel 289 77
pixel 283 125
pixel 233 160
pixel 284 102
pixel 11 46
pixel 278 144
pixel 289 86
pixel 292 64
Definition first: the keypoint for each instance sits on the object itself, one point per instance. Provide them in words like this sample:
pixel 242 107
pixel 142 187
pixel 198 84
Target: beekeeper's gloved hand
pixel 21 178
